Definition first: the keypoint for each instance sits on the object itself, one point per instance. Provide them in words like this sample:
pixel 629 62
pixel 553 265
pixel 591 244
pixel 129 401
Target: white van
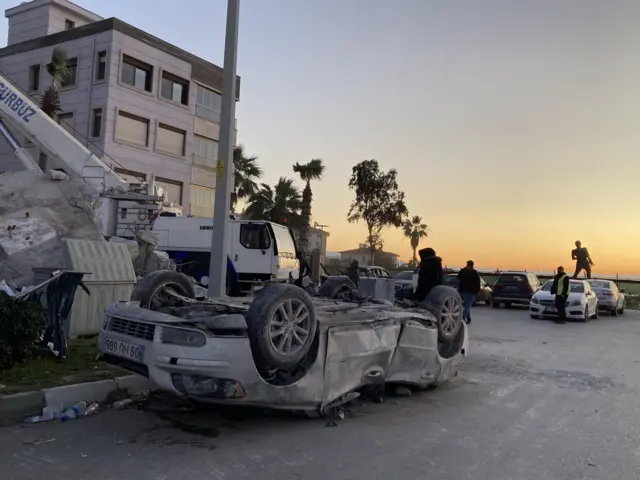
pixel 259 251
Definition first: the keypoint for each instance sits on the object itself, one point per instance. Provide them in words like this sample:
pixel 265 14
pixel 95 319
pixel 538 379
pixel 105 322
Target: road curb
pixel 20 405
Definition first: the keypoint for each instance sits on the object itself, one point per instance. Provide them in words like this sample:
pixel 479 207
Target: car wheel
pixel 149 290
pixel 585 315
pixel 614 312
pixel 622 309
pixel 496 304
pixel 535 317
pixel 488 301
pixel 282 325
pixel 445 304
pixel 596 314
pixel 339 288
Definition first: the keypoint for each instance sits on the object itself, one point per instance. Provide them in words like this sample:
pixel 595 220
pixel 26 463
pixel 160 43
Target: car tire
pixel 622 309
pixel 585 316
pixel 445 304
pixel 148 287
pixel 338 288
pixel 535 317
pixel 281 308
pixel 496 304
pixel 488 301
pixel 614 312
pixel 596 314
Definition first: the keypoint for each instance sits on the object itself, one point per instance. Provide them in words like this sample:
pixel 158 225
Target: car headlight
pixel 575 303
pixel 535 300
pixel 181 336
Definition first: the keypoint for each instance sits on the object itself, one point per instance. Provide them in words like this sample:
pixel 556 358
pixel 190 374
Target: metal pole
pixel 224 181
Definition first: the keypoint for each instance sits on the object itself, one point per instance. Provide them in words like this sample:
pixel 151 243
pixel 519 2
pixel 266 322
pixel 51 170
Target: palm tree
pixel 312 170
pixel 280 204
pixel 246 172
pixel 415 231
pixel 57 68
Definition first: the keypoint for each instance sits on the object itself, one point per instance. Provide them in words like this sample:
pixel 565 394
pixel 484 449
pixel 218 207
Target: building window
pixel 174 88
pixel 170 140
pixel 208 99
pixel 172 189
pixel 132 129
pixel 202 200
pixel 96 123
pixel 70 79
pixel 69 24
pixel 34 78
pixel 101 66
pixel 66 121
pixel 206 152
pixel 131 176
pixel 136 73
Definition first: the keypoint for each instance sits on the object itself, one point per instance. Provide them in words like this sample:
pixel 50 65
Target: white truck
pixel 259 251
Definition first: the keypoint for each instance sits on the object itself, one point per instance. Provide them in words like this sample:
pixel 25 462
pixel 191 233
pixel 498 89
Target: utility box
pixel 111 279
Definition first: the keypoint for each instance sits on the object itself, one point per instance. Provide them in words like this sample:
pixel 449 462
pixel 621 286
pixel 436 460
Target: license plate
pixel 551 310
pixel 124 349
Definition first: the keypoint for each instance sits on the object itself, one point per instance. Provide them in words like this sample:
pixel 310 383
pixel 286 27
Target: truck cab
pixel 259 251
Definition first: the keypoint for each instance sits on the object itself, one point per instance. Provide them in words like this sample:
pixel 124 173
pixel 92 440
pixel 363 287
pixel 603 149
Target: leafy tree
pixel 415 231
pixel 57 68
pixel 280 204
pixel 246 172
pixel 379 201
pixel 312 170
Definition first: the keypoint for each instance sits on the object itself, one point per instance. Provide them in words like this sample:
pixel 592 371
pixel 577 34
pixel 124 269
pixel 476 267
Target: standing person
pixel 560 289
pixel 468 286
pixel 430 273
pixel 583 260
pixel 353 272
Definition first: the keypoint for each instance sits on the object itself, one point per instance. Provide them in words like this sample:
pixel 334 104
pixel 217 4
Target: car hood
pixel 545 295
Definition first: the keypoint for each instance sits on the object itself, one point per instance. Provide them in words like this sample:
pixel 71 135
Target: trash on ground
pixel 74 412
pixel 122 404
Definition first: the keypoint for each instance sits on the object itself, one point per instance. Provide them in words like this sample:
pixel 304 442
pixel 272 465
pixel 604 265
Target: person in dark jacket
pixel 468 286
pixel 353 272
pixel 561 289
pixel 583 259
pixel 429 274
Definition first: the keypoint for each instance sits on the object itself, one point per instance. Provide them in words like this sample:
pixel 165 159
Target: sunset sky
pixel 514 124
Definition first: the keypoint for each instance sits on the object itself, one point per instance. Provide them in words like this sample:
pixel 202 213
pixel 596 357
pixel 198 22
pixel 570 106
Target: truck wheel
pixel 339 288
pixel 446 305
pixel 148 291
pixel 282 325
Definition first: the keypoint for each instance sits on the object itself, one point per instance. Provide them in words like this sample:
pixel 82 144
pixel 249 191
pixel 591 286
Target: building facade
pixel 363 255
pixel 148 109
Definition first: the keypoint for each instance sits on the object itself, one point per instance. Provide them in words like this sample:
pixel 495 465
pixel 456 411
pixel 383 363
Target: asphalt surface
pixel 534 400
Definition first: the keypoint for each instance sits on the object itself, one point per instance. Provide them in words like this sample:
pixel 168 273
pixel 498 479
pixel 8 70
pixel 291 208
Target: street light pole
pixel 225 173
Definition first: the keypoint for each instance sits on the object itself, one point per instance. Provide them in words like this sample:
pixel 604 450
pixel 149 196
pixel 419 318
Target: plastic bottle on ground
pixel 74 412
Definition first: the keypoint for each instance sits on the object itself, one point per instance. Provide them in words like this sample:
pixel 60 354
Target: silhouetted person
pixel 353 272
pixel 561 288
pixel 468 286
pixel 430 273
pixel 583 260
pixel 304 268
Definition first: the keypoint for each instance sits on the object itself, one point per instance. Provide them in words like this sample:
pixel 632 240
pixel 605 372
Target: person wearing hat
pixel 583 260
pixel 561 288
pixel 468 286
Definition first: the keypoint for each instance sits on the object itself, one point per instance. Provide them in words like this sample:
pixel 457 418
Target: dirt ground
pixel 534 400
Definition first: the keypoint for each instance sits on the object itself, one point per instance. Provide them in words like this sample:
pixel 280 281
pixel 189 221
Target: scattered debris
pixel 403 391
pixel 122 404
pixel 39 441
pixel 58 175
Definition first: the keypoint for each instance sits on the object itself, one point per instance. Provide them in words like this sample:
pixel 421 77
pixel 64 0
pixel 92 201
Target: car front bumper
pixel 573 312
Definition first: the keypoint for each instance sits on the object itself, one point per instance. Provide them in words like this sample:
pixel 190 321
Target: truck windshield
pixel 284 242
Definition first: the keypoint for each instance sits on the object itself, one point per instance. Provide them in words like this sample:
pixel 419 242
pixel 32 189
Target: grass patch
pixel 45 371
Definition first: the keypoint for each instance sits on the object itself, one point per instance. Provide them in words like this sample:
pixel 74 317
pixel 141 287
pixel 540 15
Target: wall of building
pixel 79 99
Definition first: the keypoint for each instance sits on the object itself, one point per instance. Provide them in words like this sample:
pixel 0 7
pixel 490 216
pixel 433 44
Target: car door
pixel 253 252
pixel 592 298
pixel 617 295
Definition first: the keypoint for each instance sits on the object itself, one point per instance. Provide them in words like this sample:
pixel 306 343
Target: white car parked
pixel 610 299
pixel 582 303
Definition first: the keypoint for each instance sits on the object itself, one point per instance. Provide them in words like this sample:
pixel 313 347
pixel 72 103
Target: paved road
pixel 534 401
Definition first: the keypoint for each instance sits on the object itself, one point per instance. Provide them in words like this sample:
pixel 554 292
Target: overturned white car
pixel 281 349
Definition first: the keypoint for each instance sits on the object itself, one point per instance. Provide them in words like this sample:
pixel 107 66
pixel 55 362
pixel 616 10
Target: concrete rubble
pixel 37 211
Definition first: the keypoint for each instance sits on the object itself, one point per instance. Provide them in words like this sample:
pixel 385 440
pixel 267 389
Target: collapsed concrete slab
pixel 36 212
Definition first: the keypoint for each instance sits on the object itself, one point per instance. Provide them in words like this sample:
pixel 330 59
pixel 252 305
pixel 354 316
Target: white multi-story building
pixel 147 108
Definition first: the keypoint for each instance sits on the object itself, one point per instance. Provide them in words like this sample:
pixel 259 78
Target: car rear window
pixel 407 275
pixel 512 278
pixel 576 287
pixel 600 284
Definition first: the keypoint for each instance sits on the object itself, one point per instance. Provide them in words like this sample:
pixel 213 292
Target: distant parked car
pixel 484 295
pixel 403 283
pixel 515 288
pixel 610 299
pixel 582 303
pixel 372 271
